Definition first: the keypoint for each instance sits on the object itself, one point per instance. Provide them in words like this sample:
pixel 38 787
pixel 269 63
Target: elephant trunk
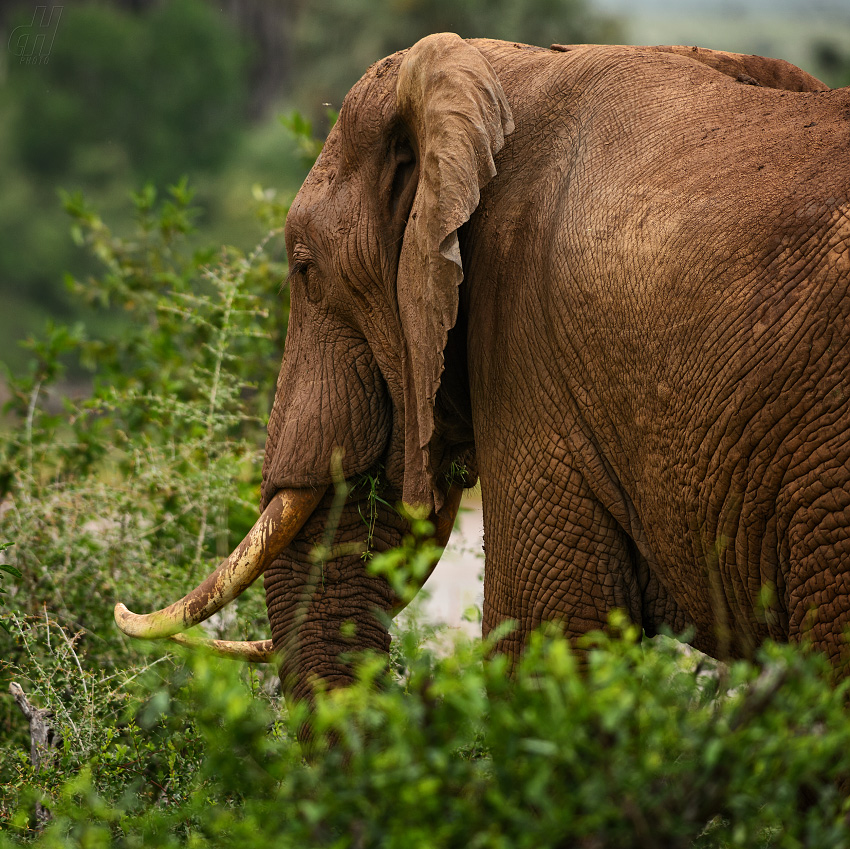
pixel 325 609
pixel 324 603
pixel 273 532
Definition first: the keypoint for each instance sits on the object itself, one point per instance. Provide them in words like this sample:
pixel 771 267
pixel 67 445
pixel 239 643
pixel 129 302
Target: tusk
pixel 273 532
pixel 248 651
pixel 262 651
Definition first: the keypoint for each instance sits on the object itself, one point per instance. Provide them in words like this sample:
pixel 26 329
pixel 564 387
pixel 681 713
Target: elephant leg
pixel 554 553
pixel 818 589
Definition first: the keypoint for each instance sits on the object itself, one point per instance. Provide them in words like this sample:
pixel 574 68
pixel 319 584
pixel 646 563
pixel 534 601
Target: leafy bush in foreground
pixel 636 750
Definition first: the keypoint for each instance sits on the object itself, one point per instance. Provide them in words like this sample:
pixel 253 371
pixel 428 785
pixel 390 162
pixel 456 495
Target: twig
pixel 30 416
pixel 76 660
pixel 140 672
pixel 44 741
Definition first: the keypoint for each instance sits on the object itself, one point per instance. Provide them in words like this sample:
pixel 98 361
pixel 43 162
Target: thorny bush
pixel 130 454
pixel 641 750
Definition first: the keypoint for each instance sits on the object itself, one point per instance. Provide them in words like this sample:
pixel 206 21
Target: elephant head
pixel 375 266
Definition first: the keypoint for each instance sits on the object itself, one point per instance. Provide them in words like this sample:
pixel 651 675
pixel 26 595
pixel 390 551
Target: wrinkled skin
pixel 637 335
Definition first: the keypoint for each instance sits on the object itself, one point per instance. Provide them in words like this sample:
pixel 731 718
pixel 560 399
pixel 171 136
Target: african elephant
pixel 614 283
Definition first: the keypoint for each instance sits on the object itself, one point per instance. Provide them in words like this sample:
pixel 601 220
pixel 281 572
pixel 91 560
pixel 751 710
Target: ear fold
pixel 451 99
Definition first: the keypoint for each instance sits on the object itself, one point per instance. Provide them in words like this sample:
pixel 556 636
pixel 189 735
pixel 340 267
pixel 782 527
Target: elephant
pixel 612 283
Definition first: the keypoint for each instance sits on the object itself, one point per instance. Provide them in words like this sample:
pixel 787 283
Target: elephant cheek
pixel 323 614
pixel 332 403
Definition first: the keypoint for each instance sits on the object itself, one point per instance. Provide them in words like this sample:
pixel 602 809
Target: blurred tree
pixel 336 40
pixel 127 92
pixel 267 24
pixel 167 89
pixel 832 63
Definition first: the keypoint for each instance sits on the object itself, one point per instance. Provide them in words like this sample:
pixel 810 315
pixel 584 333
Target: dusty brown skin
pixel 613 281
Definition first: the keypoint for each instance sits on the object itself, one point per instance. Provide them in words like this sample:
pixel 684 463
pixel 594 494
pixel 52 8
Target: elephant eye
pixel 307 272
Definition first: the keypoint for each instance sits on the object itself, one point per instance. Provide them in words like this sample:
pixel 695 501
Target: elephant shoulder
pixel 743 68
pixel 749 69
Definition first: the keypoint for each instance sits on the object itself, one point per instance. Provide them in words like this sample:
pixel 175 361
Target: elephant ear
pixel 452 102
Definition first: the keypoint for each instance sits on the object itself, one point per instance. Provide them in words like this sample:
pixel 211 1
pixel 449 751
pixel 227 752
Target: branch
pixel 44 741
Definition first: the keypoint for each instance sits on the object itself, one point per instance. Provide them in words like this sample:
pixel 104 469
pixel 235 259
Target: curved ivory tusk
pixel 248 651
pixel 262 651
pixel 273 531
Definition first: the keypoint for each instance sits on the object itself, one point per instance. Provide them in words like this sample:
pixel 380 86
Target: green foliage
pixel 407 566
pixel 301 128
pixel 136 490
pixel 156 473
pixel 457 475
pixel 832 62
pixel 9 570
pixel 125 97
pixel 622 746
pixel 142 484
pixel 166 90
pixel 336 40
pixel 108 724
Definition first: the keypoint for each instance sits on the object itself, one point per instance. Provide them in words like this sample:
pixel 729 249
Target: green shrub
pixel 5 567
pixel 139 488
pixel 127 96
pixel 134 492
pixel 635 751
